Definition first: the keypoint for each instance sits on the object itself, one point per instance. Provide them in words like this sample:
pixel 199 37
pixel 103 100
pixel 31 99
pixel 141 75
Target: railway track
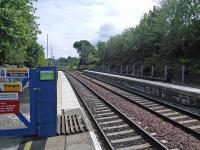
pixel 118 130
pixel 187 121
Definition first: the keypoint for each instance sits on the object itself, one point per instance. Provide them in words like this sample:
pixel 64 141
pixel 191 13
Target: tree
pixel 18 30
pixel 167 34
pixel 101 47
pixel 85 49
pixel 69 62
pixel 35 55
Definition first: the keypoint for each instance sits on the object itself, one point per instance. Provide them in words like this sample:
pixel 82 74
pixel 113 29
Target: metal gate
pixel 41 84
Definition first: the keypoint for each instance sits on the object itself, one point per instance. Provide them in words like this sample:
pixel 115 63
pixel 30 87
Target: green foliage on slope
pixel 18 34
pixel 168 34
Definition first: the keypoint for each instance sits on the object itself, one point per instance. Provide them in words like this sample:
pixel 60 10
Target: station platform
pixel 186 96
pixel 67 102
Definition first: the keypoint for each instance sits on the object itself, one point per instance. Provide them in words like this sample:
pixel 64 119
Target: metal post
pixel 183 74
pixel 152 72
pixel 141 71
pixel 133 70
pixel 165 73
pixel 121 70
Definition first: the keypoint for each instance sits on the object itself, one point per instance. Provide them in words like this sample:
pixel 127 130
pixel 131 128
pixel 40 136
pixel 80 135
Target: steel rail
pixel 186 129
pixel 90 113
pixel 150 138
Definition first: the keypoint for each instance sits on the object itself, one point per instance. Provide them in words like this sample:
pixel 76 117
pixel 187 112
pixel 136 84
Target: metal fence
pixel 165 73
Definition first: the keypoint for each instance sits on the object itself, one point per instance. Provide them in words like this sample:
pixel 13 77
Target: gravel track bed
pixel 117 130
pixel 96 131
pixel 175 137
pixel 136 142
pixel 184 107
pixel 187 108
pixel 146 103
pixel 119 136
pixel 121 144
pixel 112 124
pixel 108 119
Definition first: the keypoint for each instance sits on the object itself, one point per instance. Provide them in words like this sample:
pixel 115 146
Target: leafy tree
pixel 86 51
pixel 18 31
pixel 35 55
pixel 167 34
pixel 69 62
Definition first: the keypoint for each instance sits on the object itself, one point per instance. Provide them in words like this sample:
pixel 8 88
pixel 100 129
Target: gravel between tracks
pixel 93 125
pixel 175 137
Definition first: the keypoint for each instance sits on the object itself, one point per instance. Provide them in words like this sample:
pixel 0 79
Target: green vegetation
pixel 87 52
pixel 18 34
pixel 70 62
pixel 167 35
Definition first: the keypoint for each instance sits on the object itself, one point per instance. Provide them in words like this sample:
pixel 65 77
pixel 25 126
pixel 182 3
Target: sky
pixel 68 21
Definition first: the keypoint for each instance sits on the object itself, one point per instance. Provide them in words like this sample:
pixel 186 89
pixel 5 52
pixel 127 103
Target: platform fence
pixel 180 75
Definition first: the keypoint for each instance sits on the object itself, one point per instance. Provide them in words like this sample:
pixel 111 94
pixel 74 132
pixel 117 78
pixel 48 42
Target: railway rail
pixel 187 121
pixel 118 130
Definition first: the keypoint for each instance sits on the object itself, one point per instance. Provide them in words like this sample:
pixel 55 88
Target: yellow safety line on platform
pixel 28 145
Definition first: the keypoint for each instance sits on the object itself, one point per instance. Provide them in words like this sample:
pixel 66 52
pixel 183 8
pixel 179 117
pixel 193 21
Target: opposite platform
pixel 157 90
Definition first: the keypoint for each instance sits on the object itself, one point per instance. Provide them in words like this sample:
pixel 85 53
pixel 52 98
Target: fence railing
pixel 165 74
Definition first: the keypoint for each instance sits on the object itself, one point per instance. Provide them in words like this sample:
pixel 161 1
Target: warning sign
pixel 14 73
pixel 9 102
pixel 11 87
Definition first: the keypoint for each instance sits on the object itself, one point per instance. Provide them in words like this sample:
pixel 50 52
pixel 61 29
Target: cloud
pixel 88 2
pixel 67 21
pixel 105 32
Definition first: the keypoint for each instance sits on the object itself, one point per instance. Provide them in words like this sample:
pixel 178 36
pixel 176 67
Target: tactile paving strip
pixel 71 122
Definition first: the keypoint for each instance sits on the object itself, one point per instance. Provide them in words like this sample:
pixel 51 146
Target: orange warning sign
pixel 11 87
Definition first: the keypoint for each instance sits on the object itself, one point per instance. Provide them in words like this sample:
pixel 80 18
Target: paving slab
pixel 81 141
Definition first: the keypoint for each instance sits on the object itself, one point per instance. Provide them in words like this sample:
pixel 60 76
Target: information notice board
pixel 9 102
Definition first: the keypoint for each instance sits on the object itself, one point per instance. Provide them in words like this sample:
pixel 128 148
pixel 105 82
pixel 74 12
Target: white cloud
pixel 67 21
